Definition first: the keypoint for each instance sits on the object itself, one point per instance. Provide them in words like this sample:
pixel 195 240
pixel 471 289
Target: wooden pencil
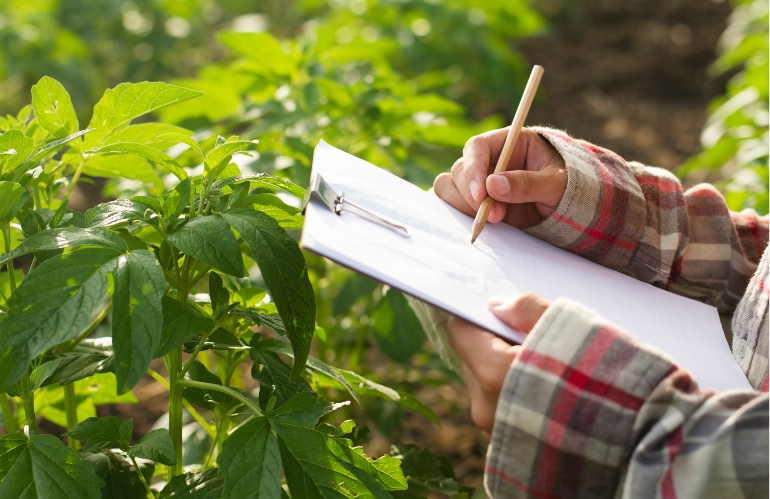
pixel 510 142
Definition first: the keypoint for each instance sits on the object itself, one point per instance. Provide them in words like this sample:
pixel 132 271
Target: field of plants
pixel 162 335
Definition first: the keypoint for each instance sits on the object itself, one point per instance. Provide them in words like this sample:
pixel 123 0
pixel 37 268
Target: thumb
pixel 521 312
pixel 524 186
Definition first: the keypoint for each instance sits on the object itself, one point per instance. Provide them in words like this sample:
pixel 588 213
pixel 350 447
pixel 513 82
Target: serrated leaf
pixel 127 101
pixel 181 323
pixel 68 237
pixel 11 195
pixel 250 462
pixel 264 180
pixel 287 216
pixel 313 363
pixel 53 107
pixel 319 465
pixel 155 446
pixel 104 433
pixel 396 328
pixel 423 471
pixel 160 158
pixel 210 240
pixel 121 480
pixel 120 211
pixel 15 148
pixel 206 484
pixel 51 305
pixel 137 315
pixel 285 273
pixel 35 467
pixel 274 378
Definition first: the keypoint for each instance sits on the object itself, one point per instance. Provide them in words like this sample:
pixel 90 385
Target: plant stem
pixel 223 389
pixel 141 477
pixel 75 178
pixel 199 347
pixel 175 409
pixel 8 416
pixel 29 403
pixel 187 405
pixel 7 248
pixel 71 409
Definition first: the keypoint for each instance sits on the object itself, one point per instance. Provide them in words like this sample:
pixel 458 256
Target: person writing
pixel 582 408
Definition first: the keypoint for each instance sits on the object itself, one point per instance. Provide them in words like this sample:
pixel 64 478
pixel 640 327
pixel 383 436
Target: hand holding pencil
pixel 528 186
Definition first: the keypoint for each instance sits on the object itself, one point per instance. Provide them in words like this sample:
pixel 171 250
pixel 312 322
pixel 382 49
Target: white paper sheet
pixel 438 264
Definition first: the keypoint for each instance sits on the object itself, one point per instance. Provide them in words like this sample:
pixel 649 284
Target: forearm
pixel 587 411
pixel 637 220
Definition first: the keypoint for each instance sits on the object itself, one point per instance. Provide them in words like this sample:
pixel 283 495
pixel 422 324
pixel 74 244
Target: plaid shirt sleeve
pixel 637 220
pixel 587 411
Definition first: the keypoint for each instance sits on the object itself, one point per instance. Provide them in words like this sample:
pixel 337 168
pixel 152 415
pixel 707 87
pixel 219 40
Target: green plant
pixel 735 137
pixel 203 266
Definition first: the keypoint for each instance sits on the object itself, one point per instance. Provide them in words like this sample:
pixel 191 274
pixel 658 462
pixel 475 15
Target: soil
pixel 629 75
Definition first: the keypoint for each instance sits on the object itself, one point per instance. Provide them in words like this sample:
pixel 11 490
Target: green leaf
pixel 313 363
pixel 158 157
pixel 181 323
pixel 262 48
pixel 206 484
pixel 51 305
pixel 122 165
pixel 287 216
pixel 271 321
pixel 104 433
pixel 409 401
pixel 121 480
pixel 185 139
pixel 51 146
pixel 264 180
pixel 355 287
pixel 210 240
pixel 396 328
pixel 32 468
pixel 285 273
pixel 250 462
pixel 424 472
pixel 90 356
pixel 319 465
pixel 155 446
pixel 15 147
pixel 223 152
pixel 53 108
pixel 127 101
pixel 274 378
pixel 137 315
pixel 41 373
pixel 67 237
pixel 119 212
pixel 147 133
pixel 11 195
pixel 220 296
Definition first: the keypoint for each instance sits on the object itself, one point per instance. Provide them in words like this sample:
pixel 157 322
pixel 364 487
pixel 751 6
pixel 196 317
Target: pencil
pixel 510 142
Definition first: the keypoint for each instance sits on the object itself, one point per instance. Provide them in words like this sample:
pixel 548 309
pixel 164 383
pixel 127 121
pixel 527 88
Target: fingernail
pixel 500 185
pixel 495 301
pixel 474 186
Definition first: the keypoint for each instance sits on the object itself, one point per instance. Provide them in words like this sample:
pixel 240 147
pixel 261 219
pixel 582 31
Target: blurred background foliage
pixel 401 83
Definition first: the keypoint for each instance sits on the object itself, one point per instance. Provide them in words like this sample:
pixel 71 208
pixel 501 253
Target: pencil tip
pixel 473 240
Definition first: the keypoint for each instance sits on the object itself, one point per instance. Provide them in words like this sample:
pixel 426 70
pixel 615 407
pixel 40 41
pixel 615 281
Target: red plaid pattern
pixel 588 411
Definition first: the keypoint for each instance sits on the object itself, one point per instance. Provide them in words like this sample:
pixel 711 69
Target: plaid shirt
pixel 587 411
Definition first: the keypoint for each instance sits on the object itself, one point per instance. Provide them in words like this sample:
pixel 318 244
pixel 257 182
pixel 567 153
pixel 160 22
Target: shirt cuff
pixel 566 413
pixel 603 212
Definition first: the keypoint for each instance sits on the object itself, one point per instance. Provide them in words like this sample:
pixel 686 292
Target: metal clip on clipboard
pixel 319 189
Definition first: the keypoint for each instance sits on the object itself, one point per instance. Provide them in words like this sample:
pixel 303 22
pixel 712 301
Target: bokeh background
pixel 681 84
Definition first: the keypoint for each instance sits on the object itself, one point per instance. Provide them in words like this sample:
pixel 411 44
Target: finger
pixel 479 154
pixel 523 186
pixel 480 350
pixel 446 189
pixel 521 312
